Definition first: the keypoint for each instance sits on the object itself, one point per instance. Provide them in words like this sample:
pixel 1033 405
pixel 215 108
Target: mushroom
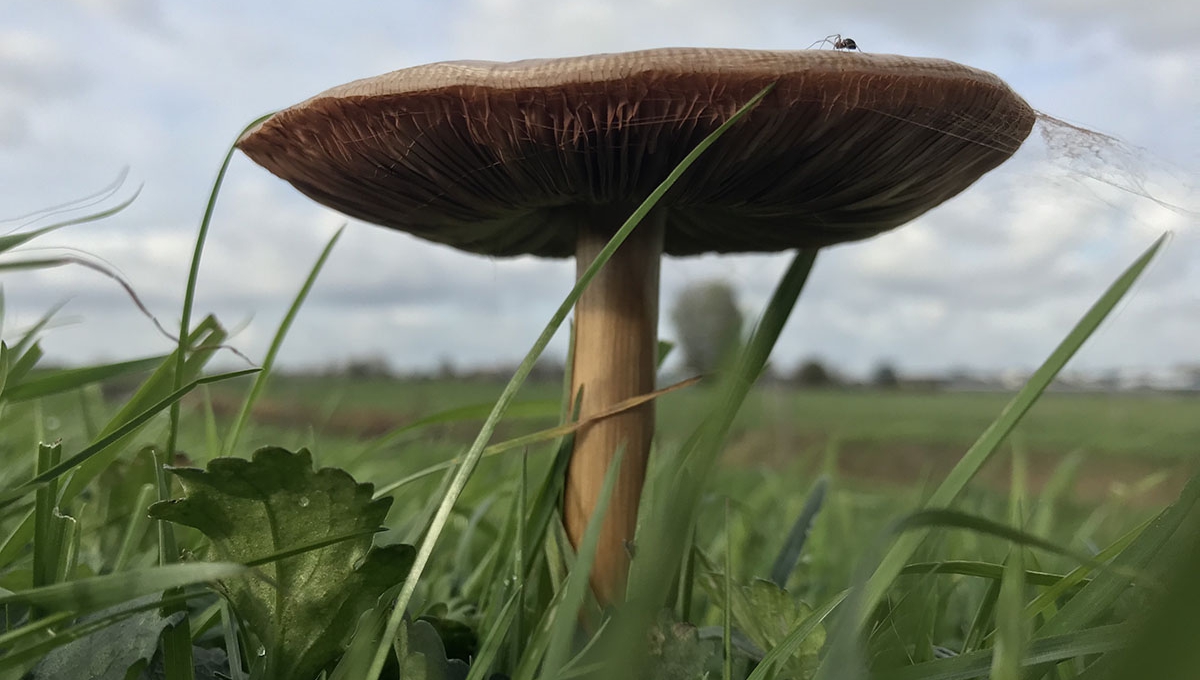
pixel 549 157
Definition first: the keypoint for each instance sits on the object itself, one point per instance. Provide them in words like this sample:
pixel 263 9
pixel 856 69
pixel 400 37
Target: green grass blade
pixel 987 570
pixel 953 519
pixel 260 382
pixel 1079 575
pixel 727 605
pixel 11 241
pixel 65 380
pixel 63 636
pixel 667 529
pixel 789 554
pixel 114 436
pixel 1010 638
pixel 208 335
pixel 139 522
pixel 87 595
pixel 1039 651
pixel 494 638
pixel 576 589
pixel 463 473
pixel 1176 523
pixel 906 545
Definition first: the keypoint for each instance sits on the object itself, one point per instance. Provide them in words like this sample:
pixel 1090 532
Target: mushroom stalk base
pixel 616 357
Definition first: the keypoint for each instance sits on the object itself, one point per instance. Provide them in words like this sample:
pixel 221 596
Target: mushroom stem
pixel 616 357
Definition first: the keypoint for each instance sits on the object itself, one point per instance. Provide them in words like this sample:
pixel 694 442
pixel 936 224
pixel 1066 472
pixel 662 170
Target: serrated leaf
pixel 274 504
pixel 767 614
pixel 109 653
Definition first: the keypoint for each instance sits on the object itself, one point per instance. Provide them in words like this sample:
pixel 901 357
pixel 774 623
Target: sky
pixel 991 280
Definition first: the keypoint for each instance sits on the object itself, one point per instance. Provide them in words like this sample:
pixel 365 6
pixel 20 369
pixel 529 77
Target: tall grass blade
pixel 1039 651
pixel 872 592
pixel 789 554
pixel 10 241
pixel 207 336
pixel 463 472
pixel 86 595
pixel 576 589
pixel 260 382
pixel 665 535
pixel 65 380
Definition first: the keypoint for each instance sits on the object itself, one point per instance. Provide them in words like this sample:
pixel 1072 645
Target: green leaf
pixel 423 656
pixel 676 652
pixel 767 615
pixel 109 653
pixel 270 506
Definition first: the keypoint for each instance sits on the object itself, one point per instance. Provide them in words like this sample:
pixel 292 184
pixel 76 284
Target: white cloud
pixel 993 278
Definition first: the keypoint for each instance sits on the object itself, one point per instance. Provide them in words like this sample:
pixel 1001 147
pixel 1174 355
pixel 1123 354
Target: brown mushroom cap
pixel 499 158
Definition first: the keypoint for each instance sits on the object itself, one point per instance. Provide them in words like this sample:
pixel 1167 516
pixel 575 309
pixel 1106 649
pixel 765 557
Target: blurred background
pixel 981 288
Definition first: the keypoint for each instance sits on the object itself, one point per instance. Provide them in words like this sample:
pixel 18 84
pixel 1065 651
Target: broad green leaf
pixel 270 506
pixel 110 652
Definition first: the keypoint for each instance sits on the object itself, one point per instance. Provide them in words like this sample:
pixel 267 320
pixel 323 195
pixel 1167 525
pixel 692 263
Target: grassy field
pixel 881 436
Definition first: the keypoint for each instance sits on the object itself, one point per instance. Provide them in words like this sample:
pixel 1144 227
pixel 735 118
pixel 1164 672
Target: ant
pixel 838 42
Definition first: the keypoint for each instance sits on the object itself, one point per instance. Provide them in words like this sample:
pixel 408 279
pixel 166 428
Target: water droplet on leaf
pixel 262 651
pixel 304 501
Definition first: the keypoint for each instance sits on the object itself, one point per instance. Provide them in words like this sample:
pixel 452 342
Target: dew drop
pixel 262 651
pixel 304 501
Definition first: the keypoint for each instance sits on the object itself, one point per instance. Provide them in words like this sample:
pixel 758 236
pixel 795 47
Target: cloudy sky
pixel 991 279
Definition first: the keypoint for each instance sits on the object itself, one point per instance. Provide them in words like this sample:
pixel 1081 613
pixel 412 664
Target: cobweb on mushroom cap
pixel 842 149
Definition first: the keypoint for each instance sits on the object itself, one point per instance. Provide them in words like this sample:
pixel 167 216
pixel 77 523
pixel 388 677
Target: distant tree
pixel 446 369
pixel 813 373
pixel 885 376
pixel 368 367
pixel 708 323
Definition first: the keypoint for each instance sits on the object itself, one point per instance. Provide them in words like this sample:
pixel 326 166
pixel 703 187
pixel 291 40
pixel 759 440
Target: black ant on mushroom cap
pixel 838 42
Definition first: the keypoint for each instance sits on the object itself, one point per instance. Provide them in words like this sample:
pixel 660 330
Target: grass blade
pixel 463 473
pixel 789 554
pixel 260 382
pixel 1042 650
pixel 576 589
pixel 905 546
pixel 87 595
pixel 65 380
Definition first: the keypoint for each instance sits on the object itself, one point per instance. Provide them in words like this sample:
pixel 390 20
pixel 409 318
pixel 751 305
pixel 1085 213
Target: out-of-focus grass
pixel 1143 424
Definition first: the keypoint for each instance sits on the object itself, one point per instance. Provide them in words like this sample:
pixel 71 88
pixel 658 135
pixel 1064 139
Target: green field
pixel 877 435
